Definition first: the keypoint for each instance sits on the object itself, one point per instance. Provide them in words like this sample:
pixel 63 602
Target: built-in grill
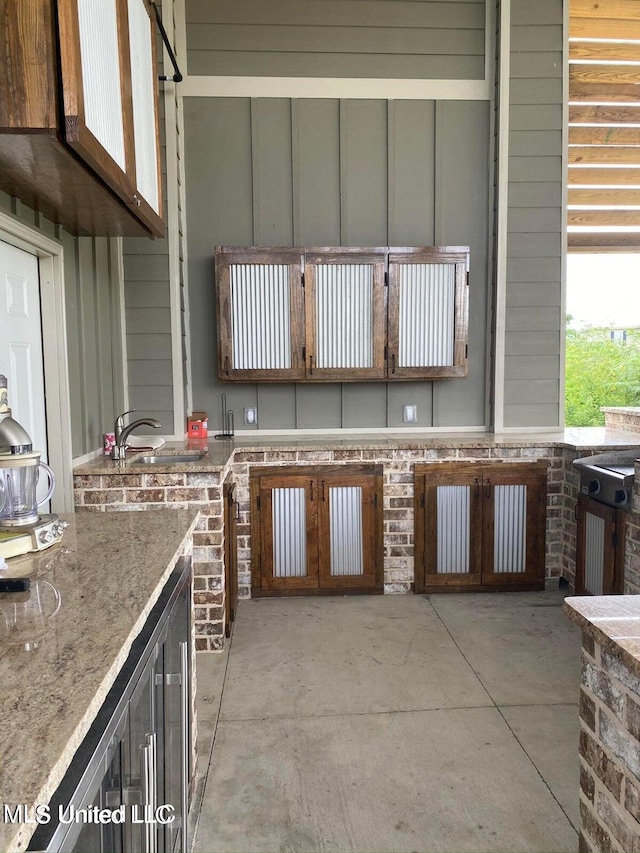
pixel 608 477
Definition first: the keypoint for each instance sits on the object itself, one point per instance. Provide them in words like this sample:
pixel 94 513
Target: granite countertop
pixel 106 574
pixel 613 621
pixel 219 453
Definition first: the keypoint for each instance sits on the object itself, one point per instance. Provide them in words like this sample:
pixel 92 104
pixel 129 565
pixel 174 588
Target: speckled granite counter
pixel 106 576
pixel 609 721
pixel 220 453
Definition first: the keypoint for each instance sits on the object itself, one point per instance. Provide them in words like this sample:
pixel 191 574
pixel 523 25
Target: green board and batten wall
pixel 327 171
pixel 534 321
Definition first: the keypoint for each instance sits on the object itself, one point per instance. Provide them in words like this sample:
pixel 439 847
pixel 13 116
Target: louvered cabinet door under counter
pixel 600 548
pixel 316 530
pixel 480 526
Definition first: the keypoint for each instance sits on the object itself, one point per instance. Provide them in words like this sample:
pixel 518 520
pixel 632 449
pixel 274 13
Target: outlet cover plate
pixel 410 414
pixel 250 416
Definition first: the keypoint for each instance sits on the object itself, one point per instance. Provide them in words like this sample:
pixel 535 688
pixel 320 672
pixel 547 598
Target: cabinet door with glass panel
pixel 316 530
pixel 479 526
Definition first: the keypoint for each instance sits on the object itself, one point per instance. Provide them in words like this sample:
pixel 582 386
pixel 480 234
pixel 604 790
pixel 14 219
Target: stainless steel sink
pixel 167 459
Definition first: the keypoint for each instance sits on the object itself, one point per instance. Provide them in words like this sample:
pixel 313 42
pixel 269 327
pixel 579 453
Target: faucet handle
pixel 119 424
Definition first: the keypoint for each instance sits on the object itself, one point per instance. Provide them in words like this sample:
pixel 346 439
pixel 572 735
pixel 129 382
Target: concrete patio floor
pixel 391 723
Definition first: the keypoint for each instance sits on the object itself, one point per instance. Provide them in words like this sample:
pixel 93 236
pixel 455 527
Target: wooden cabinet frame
pixel 228 367
pixel 76 132
pixel 49 158
pixel 615 523
pixel 315 482
pixel 458 257
pixel 314 259
pixel 481 480
pixel 383 315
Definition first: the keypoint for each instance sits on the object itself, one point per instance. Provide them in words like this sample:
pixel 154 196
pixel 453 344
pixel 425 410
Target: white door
pixel 21 345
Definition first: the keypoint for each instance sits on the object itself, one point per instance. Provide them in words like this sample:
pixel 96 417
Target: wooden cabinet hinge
pixel 386 279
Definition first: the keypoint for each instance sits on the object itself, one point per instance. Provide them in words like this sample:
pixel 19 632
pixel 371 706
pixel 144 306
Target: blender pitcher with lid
pixel 18 482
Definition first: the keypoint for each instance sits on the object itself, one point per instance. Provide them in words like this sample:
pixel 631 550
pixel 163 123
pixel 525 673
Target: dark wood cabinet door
pixel 599 548
pixel 288 532
pixel 348 531
pixel 260 307
pixel 513 526
pixel 345 312
pixel 479 526
pixel 316 530
pixel 448 526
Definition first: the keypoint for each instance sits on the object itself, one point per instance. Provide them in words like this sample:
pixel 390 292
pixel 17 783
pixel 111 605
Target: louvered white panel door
pixel 21 346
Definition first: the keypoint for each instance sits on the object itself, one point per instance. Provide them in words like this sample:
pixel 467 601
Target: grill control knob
pixel 620 496
pixel 594 487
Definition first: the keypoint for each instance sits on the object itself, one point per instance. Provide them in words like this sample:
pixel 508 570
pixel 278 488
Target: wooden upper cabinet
pixel 428 312
pixel 327 314
pixel 344 314
pixel 260 314
pixel 79 134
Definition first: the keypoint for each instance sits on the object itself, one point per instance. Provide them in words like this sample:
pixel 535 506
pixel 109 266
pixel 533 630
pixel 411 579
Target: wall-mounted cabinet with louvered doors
pixel 316 530
pixel 110 100
pixel 428 312
pixel 260 315
pixel 327 314
pixel 600 548
pixel 345 314
pixel 480 526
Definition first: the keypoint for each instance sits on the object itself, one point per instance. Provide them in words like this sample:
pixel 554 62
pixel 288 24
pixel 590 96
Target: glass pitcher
pixel 18 482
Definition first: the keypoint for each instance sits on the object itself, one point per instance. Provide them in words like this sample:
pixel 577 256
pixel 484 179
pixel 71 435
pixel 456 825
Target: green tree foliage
pixel 599 372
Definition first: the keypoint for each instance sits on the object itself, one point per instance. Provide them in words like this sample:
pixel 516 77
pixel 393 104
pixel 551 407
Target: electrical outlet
pixel 250 416
pixel 410 414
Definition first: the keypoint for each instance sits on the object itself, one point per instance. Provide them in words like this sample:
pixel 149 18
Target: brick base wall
pixel 203 491
pixel 609 753
pixel 398 477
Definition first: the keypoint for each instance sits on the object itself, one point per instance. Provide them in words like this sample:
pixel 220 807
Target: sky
pixel 603 290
